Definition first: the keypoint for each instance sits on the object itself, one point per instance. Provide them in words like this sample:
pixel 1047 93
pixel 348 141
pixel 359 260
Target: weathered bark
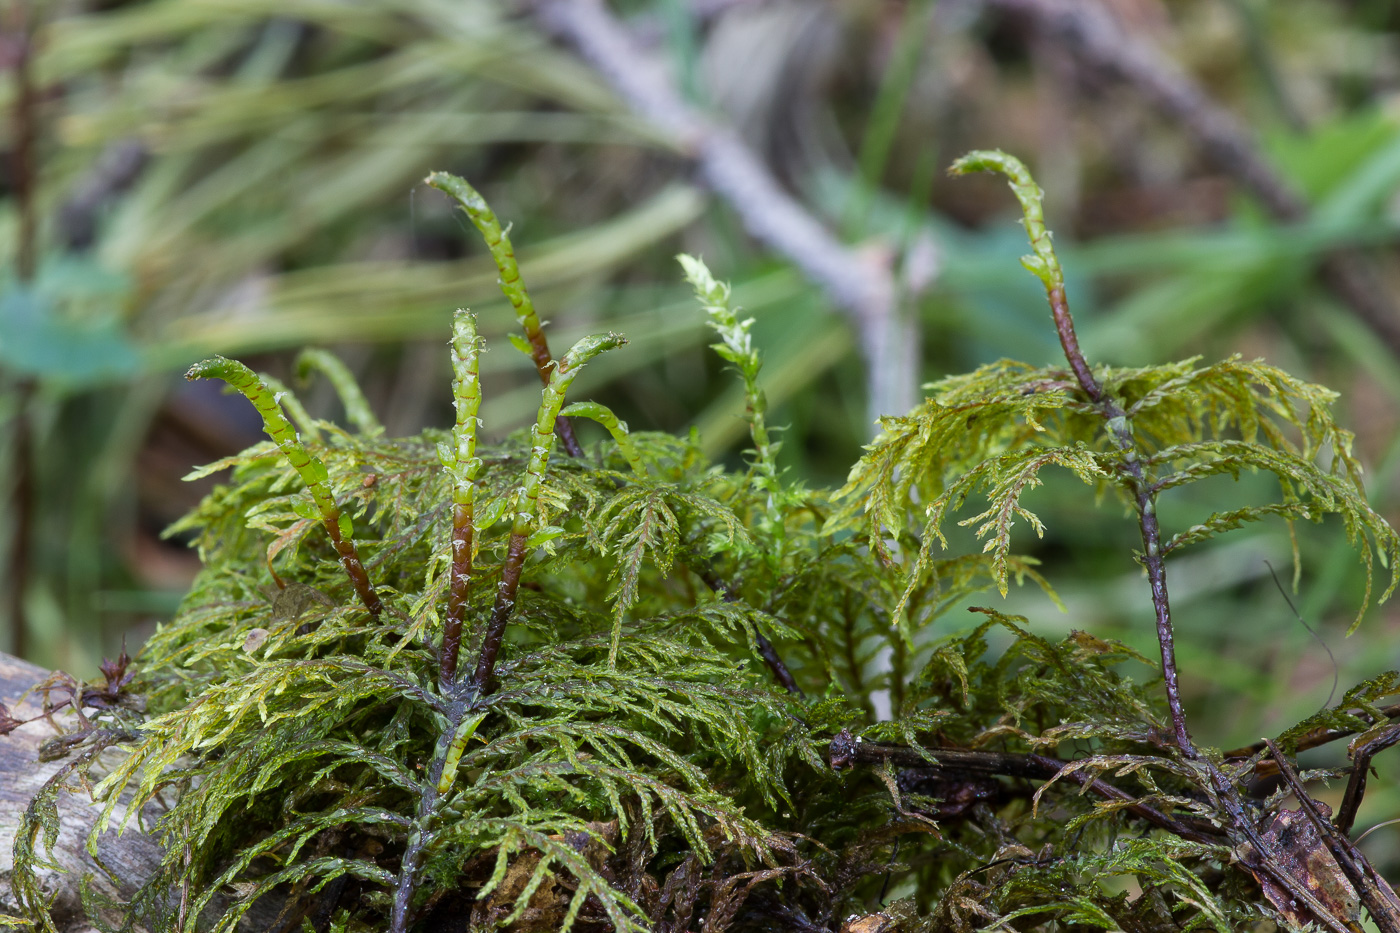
pixel 128 858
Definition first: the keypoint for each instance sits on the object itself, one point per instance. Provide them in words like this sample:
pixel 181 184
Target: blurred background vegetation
pixel 187 177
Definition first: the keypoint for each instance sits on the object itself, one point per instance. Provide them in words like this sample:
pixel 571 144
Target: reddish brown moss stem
pixel 311 470
pixel 354 569
pixel 1045 265
pixel 512 285
pixel 459 582
pixel 1069 342
pixel 500 615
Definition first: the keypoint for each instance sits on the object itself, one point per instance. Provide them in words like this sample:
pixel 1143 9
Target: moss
pixel 662 717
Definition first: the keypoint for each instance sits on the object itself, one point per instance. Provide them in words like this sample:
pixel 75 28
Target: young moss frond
pixel 1044 265
pixel 357 409
pixel 735 346
pixel 535 345
pixel 460 461
pixel 311 470
pixel 527 508
pixel 617 428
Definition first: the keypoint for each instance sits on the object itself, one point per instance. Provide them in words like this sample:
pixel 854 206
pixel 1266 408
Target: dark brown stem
pixel 1361 757
pixel 765 647
pixel 564 430
pixel 539 346
pixel 1145 501
pixel 846 751
pixel 115 170
pixel 544 365
pixel 500 615
pixel 459 582
pixel 1375 894
pixel 1069 342
pixel 1258 855
pixel 414 852
pixel 1157 579
pixel 23 117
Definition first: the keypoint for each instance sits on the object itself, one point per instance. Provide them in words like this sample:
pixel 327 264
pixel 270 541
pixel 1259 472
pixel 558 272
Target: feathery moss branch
pixel 309 468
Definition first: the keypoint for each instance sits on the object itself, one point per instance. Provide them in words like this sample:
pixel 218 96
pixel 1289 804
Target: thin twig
pixel 1314 739
pixel 846 750
pixel 24 125
pixel 23 516
pixel 1361 756
pixel 23 118
pixel 113 172
pixel 1377 895
pixel 1096 40
pixel 860 285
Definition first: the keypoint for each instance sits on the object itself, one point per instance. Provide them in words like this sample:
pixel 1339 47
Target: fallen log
pixel 122 861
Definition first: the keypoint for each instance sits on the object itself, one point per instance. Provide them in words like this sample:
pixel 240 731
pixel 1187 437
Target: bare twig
pixel 860 285
pixel 24 124
pixel 18 53
pixel 114 171
pixel 1096 40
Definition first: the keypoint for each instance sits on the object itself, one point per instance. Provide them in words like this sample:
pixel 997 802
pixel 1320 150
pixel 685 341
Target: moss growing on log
pixel 662 720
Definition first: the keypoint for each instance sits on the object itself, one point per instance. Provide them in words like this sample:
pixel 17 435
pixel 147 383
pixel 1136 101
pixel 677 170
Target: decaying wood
pixel 122 862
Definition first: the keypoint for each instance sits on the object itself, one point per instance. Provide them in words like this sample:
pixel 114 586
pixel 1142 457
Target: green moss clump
pixel 662 718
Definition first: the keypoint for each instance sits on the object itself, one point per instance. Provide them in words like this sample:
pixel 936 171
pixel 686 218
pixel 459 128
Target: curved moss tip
pixel 992 160
pixel 1043 265
pixel 589 347
pixel 457 188
pixel 212 368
